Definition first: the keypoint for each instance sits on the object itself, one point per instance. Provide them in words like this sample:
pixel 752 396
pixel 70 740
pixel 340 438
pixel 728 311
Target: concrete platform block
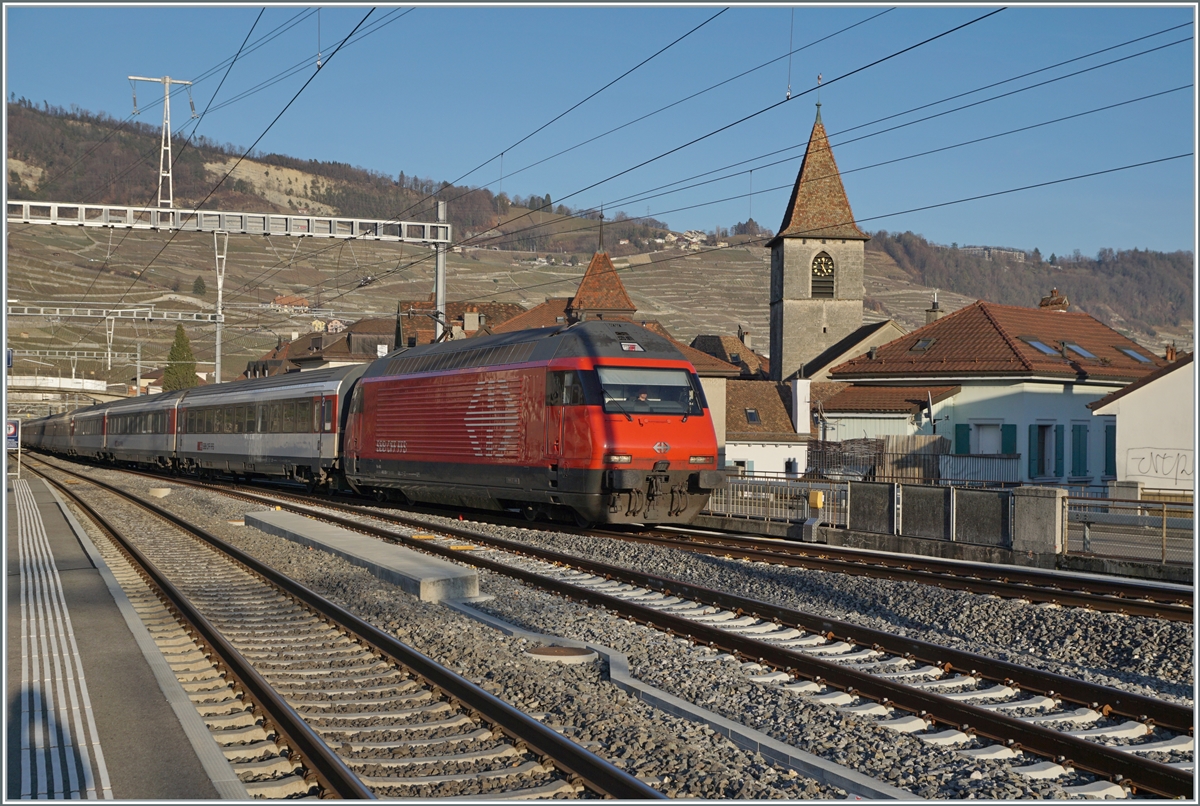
pixel 428 578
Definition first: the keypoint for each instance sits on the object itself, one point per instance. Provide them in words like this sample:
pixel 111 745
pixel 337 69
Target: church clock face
pixel 822 266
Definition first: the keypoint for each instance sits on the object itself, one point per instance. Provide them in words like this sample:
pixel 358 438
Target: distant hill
pixel 74 155
pixel 1136 288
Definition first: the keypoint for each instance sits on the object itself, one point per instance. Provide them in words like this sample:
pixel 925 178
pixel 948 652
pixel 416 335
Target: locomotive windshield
pixel 653 391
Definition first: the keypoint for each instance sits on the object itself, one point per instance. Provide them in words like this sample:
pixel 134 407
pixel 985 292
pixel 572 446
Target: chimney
pixel 470 321
pixel 801 405
pixel 933 313
pixel 744 337
pixel 1171 353
pixel 1054 302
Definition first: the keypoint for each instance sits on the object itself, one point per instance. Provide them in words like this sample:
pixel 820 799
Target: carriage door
pixel 555 409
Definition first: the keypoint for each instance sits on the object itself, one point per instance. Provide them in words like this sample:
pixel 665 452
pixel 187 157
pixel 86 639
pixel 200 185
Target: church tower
pixel 816 264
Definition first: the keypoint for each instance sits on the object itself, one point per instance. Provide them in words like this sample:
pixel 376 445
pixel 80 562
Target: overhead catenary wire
pixel 662 50
pixel 221 181
pixel 100 270
pixel 739 121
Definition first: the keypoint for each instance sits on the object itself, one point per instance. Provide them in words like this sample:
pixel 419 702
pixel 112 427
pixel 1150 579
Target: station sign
pixel 12 434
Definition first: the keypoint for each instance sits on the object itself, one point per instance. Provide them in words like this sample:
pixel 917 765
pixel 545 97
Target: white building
pixel 1012 383
pixel 1155 427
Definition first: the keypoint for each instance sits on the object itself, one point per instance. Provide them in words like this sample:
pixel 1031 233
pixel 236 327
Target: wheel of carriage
pixel 530 512
pixel 582 521
pixel 381 496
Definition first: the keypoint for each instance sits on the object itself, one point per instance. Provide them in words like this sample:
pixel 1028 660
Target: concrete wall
pixel 1156 428
pixel 714 393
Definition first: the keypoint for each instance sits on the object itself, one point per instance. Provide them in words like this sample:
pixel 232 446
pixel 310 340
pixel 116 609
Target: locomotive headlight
pixel 618 458
pixel 701 460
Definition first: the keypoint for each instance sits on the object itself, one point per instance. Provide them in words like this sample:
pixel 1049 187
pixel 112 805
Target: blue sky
pixel 440 90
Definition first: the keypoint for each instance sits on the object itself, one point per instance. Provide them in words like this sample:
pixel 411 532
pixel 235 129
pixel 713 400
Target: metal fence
pixel 778 497
pixel 962 470
pixel 1143 531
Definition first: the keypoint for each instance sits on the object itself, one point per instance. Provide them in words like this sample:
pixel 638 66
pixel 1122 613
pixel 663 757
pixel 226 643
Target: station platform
pixel 92 710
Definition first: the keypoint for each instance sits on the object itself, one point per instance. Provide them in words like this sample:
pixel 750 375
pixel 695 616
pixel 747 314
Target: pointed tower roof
pixel 819 207
pixel 601 290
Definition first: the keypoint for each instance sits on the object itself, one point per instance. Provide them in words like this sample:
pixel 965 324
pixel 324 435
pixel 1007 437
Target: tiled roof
pixel 548 314
pixel 724 348
pixel 818 207
pixel 705 364
pixel 838 351
pixel 772 401
pixel 1185 359
pixel 987 339
pixel 887 399
pixel 601 289
pixel 818 393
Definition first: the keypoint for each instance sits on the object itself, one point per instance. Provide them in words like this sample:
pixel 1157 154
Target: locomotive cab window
pixel 569 388
pixel 655 391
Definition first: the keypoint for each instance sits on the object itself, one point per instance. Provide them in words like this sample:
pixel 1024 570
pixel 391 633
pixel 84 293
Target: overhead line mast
pixel 164 161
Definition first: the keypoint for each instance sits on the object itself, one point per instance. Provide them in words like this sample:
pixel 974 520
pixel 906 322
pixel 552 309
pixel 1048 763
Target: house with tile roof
pixel 1004 381
pixel 1153 436
pixel 760 432
pixel 735 350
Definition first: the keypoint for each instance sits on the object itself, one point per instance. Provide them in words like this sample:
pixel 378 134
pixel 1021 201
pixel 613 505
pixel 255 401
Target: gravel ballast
pixel 682 758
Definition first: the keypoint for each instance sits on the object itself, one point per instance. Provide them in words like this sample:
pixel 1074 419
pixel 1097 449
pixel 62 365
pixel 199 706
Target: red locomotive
pixel 603 421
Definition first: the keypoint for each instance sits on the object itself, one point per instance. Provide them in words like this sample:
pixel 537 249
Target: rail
pixel 1142 531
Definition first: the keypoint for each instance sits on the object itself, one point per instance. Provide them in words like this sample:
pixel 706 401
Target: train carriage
pixel 135 431
pixel 286 426
pixel 602 420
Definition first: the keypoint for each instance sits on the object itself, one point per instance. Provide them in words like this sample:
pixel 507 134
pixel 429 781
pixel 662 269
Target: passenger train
pixel 599 421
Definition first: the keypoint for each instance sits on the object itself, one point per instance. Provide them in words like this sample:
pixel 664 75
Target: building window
pixel 922 345
pixel 1041 346
pixel 1046 454
pixel 1134 355
pixel 822 276
pixel 989 438
pixel 752 416
pixel 1075 348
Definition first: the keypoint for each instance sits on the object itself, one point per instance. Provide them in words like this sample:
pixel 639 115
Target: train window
pixel 250 416
pixel 327 413
pixel 230 420
pixel 239 419
pixel 289 416
pixel 207 426
pixel 304 415
pixel 570 388
pixel 274 416
pixel 643 389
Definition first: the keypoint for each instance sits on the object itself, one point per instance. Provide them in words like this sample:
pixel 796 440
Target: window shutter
pixel 1060 439
pixel 1079 435
pixel 1008 439
pixel 962 438
pixel 1110 450
pixel 1034 451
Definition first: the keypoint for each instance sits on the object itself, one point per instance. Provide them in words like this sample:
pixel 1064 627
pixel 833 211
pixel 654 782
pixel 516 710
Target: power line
pixel 221 181
pixel 723 128
pixel 181 150
pixel 540 128
pixel 884 215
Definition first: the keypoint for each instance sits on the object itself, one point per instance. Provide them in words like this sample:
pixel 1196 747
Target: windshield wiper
pixel 622 408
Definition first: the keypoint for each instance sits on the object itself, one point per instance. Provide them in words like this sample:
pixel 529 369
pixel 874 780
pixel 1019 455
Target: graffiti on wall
pixel 1161 467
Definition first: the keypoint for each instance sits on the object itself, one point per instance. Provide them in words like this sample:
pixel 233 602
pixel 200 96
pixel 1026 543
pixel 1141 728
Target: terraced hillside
pixel 712 292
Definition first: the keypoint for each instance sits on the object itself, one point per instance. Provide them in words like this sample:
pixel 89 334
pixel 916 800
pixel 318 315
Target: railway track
pixel 326 703
pixel 989 708
pixel 1113 595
